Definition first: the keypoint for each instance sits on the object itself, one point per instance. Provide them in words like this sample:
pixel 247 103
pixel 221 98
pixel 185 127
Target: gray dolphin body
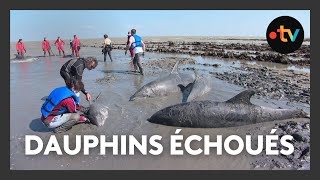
pixel 20 57
pixel 201 86
pixel 166 85
pixel 97 114
pixel 237 111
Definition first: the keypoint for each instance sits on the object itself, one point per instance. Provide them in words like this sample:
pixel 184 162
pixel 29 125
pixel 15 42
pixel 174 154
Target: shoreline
pixel 241 49
pixel 223 47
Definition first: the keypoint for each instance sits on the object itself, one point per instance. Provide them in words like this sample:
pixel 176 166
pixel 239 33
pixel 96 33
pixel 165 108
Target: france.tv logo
pixel 285 34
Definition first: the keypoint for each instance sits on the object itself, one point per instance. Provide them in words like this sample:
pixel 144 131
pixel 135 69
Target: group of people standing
pixel 46 47
pixel 61 109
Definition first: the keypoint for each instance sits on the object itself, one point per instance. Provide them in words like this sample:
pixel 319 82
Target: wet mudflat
pixel 30 81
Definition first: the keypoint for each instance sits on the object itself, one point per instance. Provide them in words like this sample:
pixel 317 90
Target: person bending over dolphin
pixel 59 111
pixel 73 69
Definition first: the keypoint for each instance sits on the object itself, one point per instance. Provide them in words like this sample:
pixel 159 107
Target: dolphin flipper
pixel 175 68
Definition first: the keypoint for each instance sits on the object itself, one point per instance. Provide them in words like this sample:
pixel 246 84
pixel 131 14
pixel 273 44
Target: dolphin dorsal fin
pixel 175 68
pixel 242 98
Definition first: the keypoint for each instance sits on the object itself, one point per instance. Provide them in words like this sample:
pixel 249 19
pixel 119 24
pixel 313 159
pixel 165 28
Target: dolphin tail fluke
pixel 242 98
pixel 183 88
pixel 186 90
pixel 175 68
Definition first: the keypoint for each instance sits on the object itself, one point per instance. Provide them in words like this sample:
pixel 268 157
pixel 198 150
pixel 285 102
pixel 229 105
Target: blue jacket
pixel 55 97
pixel 137 42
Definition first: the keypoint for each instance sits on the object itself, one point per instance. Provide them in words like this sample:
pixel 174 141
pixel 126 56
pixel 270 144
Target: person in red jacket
pixel 46 46
pixel 131 51
pixel 76 45
pixel 59 44
pixel 67 112
pixel 20 47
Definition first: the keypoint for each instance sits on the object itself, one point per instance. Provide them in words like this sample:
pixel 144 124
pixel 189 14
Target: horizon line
pixel 220 37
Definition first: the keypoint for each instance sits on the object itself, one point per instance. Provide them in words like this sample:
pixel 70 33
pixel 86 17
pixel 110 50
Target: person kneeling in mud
pixel 61 110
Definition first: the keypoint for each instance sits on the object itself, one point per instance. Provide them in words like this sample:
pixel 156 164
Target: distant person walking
pixel 130 49
pixel 46 47
pixel 59 44
pixel 138 46
pixel 20 47
pixel 71 47
pixel 107 47
pixel 76 45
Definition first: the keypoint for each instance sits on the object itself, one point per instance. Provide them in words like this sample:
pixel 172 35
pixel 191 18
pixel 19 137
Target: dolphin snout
pixel 152 119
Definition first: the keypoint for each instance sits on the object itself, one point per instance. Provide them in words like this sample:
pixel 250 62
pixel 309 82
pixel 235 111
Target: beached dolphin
pixel 98 111
pixel 18 56
pixel 67 56
pixel 166 85
pixel 97 114
pixel 21 57
pixel 198 88
pixel 237 111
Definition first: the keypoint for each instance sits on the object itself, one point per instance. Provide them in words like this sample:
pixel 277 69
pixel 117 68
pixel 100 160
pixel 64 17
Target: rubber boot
pixel 65 126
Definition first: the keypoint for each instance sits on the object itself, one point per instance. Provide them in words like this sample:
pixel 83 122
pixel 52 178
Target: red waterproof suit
pixel 46 46
pixel 130 49
pixel 59 44
pixel 20 48
pixel 76 46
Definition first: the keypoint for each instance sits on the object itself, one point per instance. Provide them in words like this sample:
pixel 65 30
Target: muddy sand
pixel 278 87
